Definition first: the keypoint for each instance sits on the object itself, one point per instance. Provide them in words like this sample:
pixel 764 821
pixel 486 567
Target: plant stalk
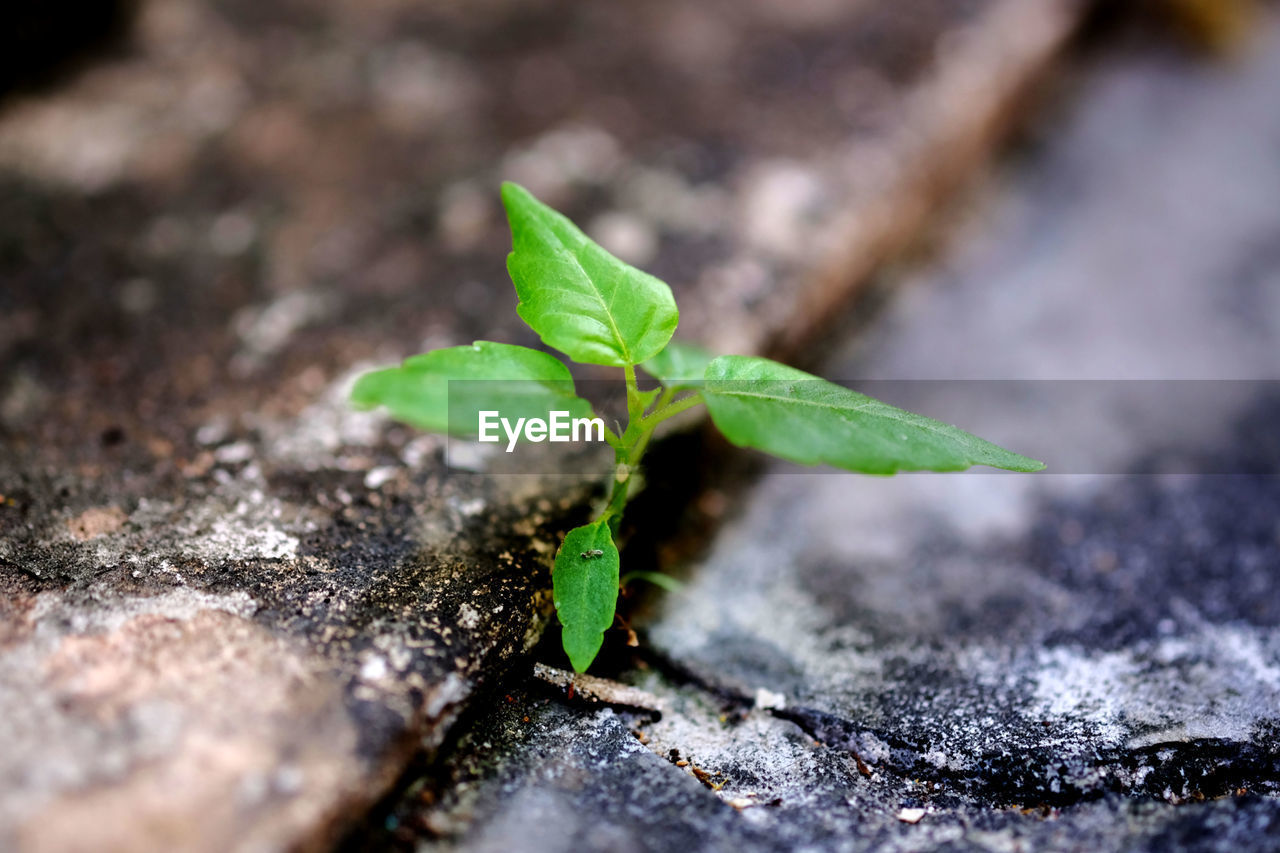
pixel 629 448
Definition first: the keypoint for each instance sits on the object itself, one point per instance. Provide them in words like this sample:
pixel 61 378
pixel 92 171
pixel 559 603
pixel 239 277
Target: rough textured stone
pixel 218 584
pixel 538 775
pixel 1081 660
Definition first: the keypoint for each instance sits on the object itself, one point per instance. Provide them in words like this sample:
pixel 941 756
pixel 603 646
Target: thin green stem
pixel 612 439
pixel 667 582
pixel 612 512
pixel 637 451
pixel 629 447
pixel 635 406
pixel 673 409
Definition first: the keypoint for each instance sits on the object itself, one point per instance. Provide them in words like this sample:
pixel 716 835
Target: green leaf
pixel 679 366
pixel 518 382
pixel 760 403
pixel 579 298
pixel 585 587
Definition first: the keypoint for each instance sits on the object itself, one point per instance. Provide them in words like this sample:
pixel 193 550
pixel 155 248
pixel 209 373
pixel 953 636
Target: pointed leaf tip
pixel 579 298
pixel 788 413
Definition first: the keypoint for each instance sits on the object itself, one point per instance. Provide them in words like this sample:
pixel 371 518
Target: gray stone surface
pixel 540 775
pixel 232 609
pixel 1080 660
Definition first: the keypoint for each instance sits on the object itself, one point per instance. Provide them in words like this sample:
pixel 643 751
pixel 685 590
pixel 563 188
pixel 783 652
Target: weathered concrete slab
pixel 1073 661
pixel 219 586
pixel 538 775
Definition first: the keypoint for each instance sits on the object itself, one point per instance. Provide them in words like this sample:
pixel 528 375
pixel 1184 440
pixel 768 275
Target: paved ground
pixel 1087 659
pixel 233 609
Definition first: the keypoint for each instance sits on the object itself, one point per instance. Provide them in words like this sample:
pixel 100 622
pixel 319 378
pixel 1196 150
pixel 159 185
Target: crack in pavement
pixel 1174 771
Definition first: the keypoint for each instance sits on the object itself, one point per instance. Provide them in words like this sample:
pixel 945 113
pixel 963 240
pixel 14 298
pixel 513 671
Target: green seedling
pixel 595 309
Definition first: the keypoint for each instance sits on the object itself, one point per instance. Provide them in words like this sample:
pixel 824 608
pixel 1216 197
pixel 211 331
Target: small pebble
pixel 767 700
pixel 378 477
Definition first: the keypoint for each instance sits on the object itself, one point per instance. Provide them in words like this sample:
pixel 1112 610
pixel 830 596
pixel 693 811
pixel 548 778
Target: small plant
pixel 596 309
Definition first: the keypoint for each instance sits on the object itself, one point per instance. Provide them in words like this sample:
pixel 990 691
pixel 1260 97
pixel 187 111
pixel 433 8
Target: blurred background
pixel 227 181
pixel 214 214
pixel 233 200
